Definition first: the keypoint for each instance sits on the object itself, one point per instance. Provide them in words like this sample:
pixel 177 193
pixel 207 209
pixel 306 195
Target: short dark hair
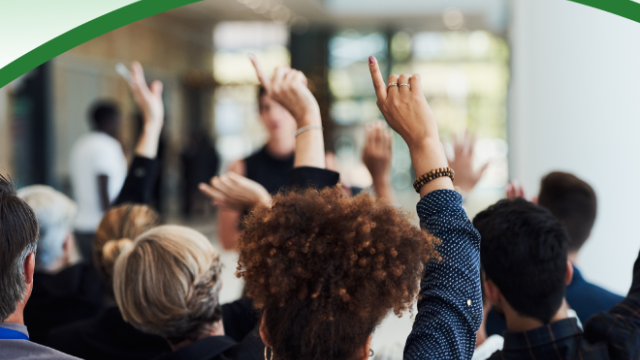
pixel 104 111
pixel 18 238
pixel 573 202
pixel 524 252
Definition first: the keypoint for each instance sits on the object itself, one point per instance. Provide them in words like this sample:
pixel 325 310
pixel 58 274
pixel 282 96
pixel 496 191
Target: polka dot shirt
pixel 450 308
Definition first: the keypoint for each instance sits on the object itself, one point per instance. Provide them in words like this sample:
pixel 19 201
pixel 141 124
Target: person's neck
pixel 520 323
pixel 17 317
pixel 216 329
pixel 281 146
pixel 481 335
pixel 573 257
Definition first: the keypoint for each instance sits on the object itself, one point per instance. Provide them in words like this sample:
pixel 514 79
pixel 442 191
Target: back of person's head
pixel 118 227
pixel 524 253
pixel 573 202
pixel 55 213
pixel 18 239
pixel 104 115
pixel 167 283
pixel 325 270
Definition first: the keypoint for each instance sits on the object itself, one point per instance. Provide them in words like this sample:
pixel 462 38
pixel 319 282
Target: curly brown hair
pixel 326 269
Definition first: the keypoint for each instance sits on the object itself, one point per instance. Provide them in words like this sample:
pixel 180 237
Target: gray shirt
pixel 26 350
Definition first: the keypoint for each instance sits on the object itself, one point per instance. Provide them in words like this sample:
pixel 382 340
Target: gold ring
pixel 392 84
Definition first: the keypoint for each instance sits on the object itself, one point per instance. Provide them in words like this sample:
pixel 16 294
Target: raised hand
pixel 289 88
pixel 149 100
pixel 407 112
pixel 462 163
pixel 516 190
pixel 235 192
pixel 376 156
pixel 377 151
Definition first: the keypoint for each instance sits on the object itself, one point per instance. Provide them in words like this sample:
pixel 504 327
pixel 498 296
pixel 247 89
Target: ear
pixel 493 294
pixel 28 267
pixel 263 333
pixel 569 274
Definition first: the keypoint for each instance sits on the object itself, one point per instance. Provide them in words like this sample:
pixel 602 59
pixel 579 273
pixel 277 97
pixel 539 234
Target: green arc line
pixel 85 32
pixel 626 8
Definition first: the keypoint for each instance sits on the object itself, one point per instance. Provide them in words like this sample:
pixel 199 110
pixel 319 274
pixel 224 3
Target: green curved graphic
pixel 85 32
pixel 626 8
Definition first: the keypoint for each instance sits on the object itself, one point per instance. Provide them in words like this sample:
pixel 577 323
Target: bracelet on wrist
pixel 307 128
pixel 432 175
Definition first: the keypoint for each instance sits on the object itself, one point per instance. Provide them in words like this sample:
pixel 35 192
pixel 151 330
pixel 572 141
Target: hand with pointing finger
pixel 289 88
pixel 407 112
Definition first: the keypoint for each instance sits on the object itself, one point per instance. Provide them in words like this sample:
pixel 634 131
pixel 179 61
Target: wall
pixel 574 107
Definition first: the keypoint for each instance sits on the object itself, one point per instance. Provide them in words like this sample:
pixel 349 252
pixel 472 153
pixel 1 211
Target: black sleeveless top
pixel 268 171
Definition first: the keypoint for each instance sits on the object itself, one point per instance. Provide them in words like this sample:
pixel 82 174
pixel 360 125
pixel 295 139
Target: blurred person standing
pixel 98 169
pixel 64 290
pixel 268 167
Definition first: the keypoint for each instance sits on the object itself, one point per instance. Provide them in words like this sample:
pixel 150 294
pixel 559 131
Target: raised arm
pixel 143 172
pixel 450 308
pixel 289 88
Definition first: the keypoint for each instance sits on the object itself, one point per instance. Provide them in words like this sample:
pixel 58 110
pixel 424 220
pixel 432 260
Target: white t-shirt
pixel 95 154
pixel 488 347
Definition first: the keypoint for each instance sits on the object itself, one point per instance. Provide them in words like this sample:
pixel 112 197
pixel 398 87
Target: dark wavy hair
pixel 326 269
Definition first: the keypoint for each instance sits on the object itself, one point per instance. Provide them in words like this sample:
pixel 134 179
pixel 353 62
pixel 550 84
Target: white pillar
pixel 575 106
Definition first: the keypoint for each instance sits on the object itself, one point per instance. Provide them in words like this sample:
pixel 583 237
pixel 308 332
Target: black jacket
pixel 73 294
pixel 106 337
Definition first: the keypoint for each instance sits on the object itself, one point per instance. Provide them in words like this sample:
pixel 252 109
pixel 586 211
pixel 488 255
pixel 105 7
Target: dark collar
pixel 205 349
pixel 541 336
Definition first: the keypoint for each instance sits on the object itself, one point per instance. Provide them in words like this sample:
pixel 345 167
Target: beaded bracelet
pixel 432 175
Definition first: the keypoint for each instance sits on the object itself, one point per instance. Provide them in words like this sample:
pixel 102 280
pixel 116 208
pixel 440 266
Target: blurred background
pixel 545 85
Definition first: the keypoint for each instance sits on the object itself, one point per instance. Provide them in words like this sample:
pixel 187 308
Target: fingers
pixel 278 76
pixel 416 84
pixel 137 73
pixel 378 82
pixel 377 136
pixel 392 89
pixel 156 88
pixel 210 192
pixel 403 89
pixel 262 76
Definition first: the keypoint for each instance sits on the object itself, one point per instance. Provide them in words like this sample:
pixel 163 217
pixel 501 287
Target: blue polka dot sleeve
pixel 450 308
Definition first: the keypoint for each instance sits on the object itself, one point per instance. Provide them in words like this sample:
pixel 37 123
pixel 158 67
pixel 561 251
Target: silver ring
pixel 405 85
pixel 392 84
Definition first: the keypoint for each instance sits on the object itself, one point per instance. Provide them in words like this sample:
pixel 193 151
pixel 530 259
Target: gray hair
pixel 18 238
pixel 55 213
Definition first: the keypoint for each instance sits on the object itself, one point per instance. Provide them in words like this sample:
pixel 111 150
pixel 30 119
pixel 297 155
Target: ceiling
pixel 479 14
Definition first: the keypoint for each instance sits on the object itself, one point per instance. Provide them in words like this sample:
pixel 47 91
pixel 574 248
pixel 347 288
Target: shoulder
pixel 19 349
